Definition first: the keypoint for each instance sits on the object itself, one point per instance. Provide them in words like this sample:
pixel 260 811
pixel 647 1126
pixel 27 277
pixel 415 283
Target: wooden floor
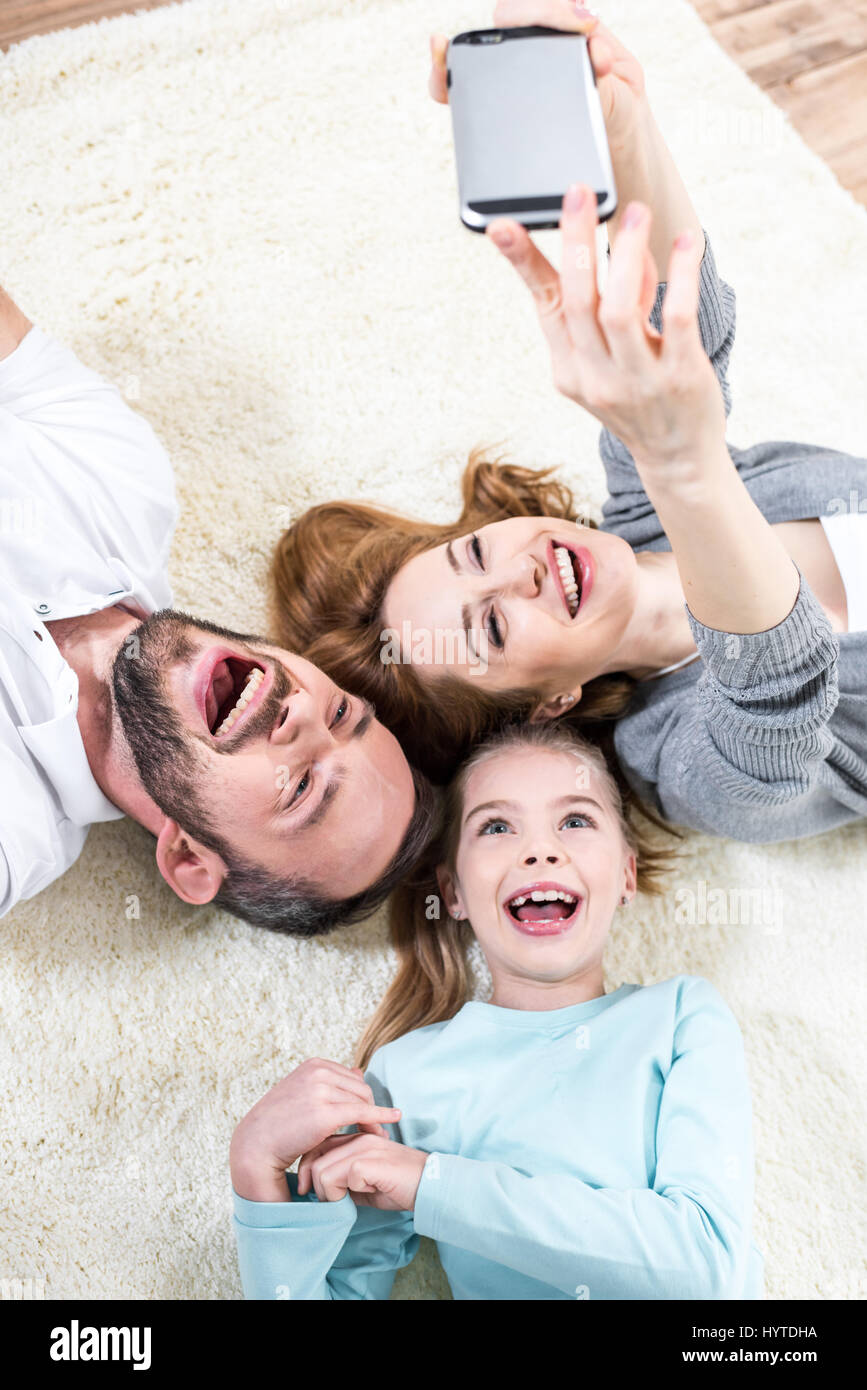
pixel 809 56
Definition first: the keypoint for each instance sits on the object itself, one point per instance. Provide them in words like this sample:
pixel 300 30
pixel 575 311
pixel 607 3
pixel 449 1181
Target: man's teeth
pixel 551 895
pixel 567 574
pixel 251 685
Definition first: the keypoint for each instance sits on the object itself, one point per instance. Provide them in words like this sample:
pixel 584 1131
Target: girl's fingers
pixel 578 223
pixel 307 1160
pixel 541 279
pixel 680 332
pixel 620 312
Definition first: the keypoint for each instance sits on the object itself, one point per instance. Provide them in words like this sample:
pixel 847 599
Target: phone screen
pixel 527 122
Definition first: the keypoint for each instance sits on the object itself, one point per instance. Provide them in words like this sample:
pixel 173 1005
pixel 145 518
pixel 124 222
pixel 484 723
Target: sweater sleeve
pixel 688 1235
pixel 311 1250
pixel 305 1249
pixel 627 504
pixel 755 732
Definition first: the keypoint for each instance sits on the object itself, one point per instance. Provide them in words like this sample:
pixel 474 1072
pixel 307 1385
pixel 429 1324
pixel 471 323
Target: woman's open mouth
pixel 543 909
pixel 234 687
pixel 573 571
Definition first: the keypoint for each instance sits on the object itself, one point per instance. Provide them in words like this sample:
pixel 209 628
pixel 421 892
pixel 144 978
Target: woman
pixel 556 1141
pixel 716 620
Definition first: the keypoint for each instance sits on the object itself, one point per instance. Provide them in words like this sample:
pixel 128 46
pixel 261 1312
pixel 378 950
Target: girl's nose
pixel 543 854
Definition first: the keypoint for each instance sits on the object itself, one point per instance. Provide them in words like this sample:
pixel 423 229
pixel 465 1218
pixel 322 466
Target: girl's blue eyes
pixel 498 827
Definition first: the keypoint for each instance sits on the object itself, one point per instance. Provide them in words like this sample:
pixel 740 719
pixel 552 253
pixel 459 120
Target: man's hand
pixel 376 1172
pixel 295 1116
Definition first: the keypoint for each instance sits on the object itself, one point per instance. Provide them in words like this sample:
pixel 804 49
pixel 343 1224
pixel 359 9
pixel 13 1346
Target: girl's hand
pixel 375 1171
pixel 657 393
pixel 619 75
pixel 296 1115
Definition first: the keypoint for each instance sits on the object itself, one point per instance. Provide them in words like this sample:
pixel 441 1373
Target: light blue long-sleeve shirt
pixel 602 1150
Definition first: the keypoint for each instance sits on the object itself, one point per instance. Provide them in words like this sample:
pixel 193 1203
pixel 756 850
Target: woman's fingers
pixel 436 83
pixel 578 223
pixel 621 315
pixel 555 14
pixel 541 279
pixel 680 332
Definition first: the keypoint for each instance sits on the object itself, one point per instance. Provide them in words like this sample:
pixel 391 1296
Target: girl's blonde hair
pixel 432 981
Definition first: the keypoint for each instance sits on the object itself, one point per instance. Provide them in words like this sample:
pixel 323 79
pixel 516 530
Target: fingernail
pixel 633 215
pixel 502 237
pixel 574 200
pixel 683 242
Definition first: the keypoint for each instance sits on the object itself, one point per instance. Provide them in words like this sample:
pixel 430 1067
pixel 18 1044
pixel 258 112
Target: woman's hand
pixel 658 393
pixel 619 76
pixel 644 170
pixel 376 1172
pixel 295 1116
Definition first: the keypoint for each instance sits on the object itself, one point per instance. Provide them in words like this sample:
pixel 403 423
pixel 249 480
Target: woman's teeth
pixel 551 895
pixel 567 575
pixel 251 685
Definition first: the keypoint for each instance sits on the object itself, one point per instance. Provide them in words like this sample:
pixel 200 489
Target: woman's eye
pixel 476 548
pixel 495 632
pixel 342 709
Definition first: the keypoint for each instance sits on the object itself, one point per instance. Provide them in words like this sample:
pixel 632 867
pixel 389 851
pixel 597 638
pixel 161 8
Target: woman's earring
pixel 566 699
pixel 624 900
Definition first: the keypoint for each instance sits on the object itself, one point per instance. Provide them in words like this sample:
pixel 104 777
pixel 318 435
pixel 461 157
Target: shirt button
pixel 42 608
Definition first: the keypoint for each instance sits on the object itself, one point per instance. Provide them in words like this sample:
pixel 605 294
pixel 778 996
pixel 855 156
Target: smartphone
pixel 527 123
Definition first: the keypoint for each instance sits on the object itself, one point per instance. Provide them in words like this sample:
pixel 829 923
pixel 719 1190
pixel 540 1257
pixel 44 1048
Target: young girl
pixel 556 1141
pixel 718 617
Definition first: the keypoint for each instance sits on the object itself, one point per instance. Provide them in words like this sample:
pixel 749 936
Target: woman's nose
pixel 523 577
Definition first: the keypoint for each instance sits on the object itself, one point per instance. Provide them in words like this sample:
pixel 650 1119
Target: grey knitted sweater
pixel 764 738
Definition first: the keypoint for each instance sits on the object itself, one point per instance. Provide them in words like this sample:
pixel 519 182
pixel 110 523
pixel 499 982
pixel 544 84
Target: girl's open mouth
pixel 573 572
pixel 233 689
pixel 543 909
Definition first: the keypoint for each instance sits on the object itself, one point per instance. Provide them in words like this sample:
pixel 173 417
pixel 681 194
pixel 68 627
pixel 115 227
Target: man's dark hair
pixel 167 767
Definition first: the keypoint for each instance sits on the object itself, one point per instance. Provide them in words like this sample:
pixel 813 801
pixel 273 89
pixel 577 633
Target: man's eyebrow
pixel 365 721
pixel 315 816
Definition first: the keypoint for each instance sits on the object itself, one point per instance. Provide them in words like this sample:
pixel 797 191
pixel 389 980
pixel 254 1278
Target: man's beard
pixel 170 760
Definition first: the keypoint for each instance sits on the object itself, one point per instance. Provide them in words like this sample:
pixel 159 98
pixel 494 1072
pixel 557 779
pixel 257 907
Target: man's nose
pixel 301 726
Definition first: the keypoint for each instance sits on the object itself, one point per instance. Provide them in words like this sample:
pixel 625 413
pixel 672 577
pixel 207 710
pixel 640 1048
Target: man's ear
pixel 557 705
pixel 449 892
pixel 192 871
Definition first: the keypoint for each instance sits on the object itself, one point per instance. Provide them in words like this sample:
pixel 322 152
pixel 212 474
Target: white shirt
pixel 87 510
pixel 847 537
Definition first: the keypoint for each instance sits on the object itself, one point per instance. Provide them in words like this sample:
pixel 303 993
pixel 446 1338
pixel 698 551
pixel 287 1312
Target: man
pixel 269 791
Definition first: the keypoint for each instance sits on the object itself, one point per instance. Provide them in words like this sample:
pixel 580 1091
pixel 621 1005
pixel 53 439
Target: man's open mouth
pixel 235 682
pixel 541 909
pixel 568 570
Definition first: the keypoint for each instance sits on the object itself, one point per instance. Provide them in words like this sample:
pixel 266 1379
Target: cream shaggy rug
pixel 246 215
